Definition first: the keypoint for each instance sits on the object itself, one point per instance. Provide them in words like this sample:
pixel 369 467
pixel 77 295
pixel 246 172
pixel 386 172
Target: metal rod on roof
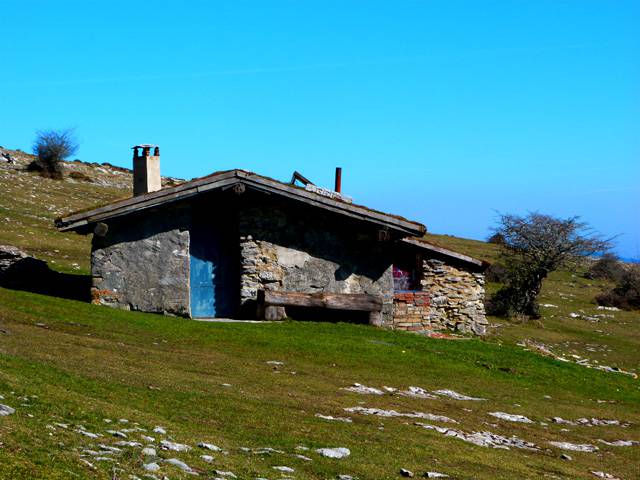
pixel 338 179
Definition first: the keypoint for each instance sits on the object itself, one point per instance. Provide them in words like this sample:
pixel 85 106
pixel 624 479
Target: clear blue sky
pixel 443 112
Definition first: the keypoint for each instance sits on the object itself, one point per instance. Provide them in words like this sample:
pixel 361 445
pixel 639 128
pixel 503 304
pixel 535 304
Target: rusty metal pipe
pixel 338 179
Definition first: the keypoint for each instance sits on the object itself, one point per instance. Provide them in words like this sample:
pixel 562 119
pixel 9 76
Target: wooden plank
pixel 334 301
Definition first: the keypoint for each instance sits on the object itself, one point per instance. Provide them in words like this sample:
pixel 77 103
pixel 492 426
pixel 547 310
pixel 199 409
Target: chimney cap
pixel 144 145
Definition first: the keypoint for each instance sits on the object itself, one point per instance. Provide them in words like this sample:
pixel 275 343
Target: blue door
pixel 202 275
pixel 203 250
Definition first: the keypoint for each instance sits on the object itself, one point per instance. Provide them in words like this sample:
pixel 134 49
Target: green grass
pixel 88 363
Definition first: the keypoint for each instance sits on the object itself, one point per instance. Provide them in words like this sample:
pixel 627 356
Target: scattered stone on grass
pixel 151 467
pixel 510 417
pixel 335 419
pixel 483 439
pixel 574 447
pixel 620 443
pixel 86 433
pixel 407 473
pixel 282 468
pixel 117 433
pixel 435 475
pixel 6 410
pixel 363 390
pixel 392 413
pixel 207 458
pixel 590 422
pixel 175 447
pixel 338 452
pixel 608 476
pixel 160 430
pixel 611 309
pixel 209 446
pixel 149 451
pixel 303 457
pixel 456 396
pixel 223 473
pixel 275 362
pixel 181 465
pixel 109 448
pixel 147 438
pixel 416 392
pixel 128 443
pixel 267 451
pixel 564 456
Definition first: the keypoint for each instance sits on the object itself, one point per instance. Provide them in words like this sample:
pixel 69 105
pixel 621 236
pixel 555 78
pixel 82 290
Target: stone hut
pixel 235 244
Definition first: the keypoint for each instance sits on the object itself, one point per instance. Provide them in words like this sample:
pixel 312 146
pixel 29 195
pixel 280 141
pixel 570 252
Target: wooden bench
pixel 271 303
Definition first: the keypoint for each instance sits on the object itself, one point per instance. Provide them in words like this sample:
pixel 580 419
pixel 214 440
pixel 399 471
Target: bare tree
pixel 52 147
pixel 534 246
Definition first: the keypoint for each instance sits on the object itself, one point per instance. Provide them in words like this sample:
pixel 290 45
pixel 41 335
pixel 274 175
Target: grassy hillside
pixel 67 367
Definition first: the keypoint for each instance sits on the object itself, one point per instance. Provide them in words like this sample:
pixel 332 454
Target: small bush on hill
pixel 626 293
pixel 608 267
pixel 52 147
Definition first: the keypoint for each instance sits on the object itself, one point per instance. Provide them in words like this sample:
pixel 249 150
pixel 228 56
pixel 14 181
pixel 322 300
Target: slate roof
pixel 79 221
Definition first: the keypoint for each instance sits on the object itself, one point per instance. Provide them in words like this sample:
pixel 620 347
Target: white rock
pixel 336 419
pixel 81 431
pixel 6 410
pixel 392 413
pixel 608 476
pixel 275 362
pixel 207 458
pixel 222 473
pixel 510 417
pixel 176 447
pixel 302 457
pixel 160 430
pixel 574 447
pixel 435 475
pixel 339 452
pixel 482 439
pixel 149 452
pixel 209 446
pixel 128 443
pixel 147 438
pixel 181 465
pixel 282 468
pixel 620 443
pixel 417 392
pixel 456 396
pixel 363 390
pixel 151 467
pixel 109 448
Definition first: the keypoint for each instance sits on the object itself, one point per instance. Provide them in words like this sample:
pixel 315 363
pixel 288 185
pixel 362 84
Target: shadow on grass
pixel 32 275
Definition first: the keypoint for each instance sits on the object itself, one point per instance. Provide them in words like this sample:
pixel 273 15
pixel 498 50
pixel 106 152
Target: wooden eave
pixel 76 221
pixel 460 257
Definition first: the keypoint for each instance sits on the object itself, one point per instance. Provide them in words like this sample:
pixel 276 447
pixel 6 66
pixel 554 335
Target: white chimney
pixel 146 169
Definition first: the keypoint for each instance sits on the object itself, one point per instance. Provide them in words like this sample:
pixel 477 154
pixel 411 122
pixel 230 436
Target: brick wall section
pixel 411 311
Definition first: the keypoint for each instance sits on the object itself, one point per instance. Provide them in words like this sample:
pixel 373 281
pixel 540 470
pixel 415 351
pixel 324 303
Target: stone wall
pixel 457 297
pixel 310 252
pixel 142 263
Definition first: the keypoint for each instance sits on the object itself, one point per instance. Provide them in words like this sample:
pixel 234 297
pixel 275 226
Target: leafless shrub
pixel 534 246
